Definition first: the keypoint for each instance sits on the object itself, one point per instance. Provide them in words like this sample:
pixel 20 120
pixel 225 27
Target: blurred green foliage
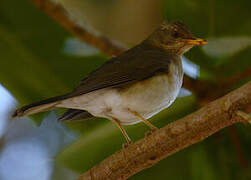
pixel 34 66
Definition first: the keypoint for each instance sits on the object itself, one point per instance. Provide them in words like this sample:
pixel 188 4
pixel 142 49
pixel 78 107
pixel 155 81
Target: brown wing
pixel 134 65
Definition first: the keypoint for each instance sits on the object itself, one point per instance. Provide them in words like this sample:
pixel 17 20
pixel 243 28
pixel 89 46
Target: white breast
pixel 160 94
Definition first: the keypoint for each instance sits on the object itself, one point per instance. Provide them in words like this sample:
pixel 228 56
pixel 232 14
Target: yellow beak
pixel 196 42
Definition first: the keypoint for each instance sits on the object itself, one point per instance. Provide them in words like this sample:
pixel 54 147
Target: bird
pixel 132 87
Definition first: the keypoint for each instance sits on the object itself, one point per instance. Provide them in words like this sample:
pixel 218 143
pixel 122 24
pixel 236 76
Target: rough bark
pixel 173 137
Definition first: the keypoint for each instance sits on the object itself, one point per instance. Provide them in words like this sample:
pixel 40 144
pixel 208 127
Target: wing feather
pixel 134 65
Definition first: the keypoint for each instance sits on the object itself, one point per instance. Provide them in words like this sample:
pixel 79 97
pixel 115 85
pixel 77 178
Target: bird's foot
pixel 148 133
pixel 125 145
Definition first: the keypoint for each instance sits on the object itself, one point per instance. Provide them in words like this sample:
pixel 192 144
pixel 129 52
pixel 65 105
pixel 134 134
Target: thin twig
pixel 109 47
pixel 57 12
pixel 204 90
pixel 173 137
pixel 201 88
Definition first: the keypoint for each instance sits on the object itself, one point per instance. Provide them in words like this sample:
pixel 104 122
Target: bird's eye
pixel 176 34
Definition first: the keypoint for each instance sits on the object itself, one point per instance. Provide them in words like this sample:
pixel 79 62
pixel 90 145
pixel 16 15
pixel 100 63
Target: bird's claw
pixel 125 145
pixel 148 133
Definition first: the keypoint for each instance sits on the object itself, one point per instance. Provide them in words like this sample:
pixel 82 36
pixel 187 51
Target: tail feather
pixel 40 106
pixel 74 115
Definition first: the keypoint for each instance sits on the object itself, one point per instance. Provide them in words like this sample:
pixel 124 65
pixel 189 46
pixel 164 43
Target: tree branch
pixel 201 88
pixel 57 12
pixel 173 137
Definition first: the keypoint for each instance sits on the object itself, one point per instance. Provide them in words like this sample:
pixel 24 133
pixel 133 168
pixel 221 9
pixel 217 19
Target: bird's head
pixel 174 37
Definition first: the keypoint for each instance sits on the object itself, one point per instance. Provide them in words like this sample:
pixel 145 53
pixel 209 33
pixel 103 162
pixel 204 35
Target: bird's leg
pixel 152 127
pixel 128 140
pixel 244 115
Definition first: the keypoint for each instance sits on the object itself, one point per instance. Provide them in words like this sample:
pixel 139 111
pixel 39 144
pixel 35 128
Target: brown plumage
pixel 123 88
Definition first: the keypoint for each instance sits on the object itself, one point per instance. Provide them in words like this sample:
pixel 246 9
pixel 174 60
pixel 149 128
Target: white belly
pixel 159 96
pixel 147 98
